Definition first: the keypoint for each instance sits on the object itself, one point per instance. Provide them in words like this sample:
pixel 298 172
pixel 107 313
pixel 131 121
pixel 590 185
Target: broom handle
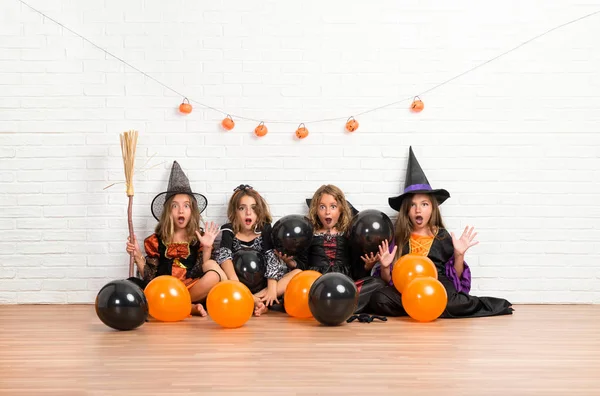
pixel 130 223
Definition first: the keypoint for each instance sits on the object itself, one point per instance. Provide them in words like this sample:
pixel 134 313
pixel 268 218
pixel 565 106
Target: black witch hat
pixel 178 184
pixel 352 208
pixel 416 183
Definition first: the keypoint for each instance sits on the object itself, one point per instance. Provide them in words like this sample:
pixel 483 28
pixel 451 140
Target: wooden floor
pixel 66 350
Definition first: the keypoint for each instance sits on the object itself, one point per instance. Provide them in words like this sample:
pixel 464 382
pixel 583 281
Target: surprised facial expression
pixel 246 213
pixel 420 211
pixel 181 210
pixel 328 211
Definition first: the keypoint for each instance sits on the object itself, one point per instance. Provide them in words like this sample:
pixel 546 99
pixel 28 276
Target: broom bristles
pixel 128 145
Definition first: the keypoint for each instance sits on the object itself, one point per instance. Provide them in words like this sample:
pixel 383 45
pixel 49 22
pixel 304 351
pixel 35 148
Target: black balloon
pixel 333 298
pixel 122 305
pixel 291 234
pixel 369 229
pixel 139 282
pixel 250 268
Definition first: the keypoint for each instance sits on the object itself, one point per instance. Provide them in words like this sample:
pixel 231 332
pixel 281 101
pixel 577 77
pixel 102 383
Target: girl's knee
pixel 210 264
pixel 379 297
pixel 213 277
pixel 386 296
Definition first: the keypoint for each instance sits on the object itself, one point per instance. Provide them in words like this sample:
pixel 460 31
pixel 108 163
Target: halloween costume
pixel 275 268
pixel 332 253
pixel 440 249
pixel 182 260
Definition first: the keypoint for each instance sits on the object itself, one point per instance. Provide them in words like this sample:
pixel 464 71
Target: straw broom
pixel 128 143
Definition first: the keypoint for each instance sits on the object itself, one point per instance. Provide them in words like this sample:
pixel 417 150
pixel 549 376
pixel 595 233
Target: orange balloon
pixel 168 299
pixel 410 267
pixel 424 299
pixel 230 304
pixel 295 299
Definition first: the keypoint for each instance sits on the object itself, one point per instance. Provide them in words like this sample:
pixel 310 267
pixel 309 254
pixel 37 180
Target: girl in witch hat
pixel 420 230
pixel 177 247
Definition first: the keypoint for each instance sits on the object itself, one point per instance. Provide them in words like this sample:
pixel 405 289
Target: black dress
pixel 388 301
pixel 331 253
pixel 275 268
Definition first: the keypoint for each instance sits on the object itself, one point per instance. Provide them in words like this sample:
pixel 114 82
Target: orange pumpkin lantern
pixel 417 105
pixel 228 123
pixel 261 130
pixel 185 108
pixel 351 124
pixel 301 132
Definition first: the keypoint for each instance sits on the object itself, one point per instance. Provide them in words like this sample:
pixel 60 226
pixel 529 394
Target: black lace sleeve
pixel 225 250
pixel 150 268
pixel 276 268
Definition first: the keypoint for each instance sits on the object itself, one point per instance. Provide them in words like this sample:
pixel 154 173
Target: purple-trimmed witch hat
pixel 416 183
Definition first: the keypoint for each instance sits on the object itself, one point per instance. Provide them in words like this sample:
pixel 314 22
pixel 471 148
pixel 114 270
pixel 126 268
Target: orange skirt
pixel 180 273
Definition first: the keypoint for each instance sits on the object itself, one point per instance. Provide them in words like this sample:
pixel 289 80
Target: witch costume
pixel 440 249
pixel 182 260
pixel 333 253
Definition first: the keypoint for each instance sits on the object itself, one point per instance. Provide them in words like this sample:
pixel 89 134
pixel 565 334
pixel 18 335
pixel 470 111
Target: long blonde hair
pixel 263 214
pixel 404 226
pixel 345 212
pixel 165 229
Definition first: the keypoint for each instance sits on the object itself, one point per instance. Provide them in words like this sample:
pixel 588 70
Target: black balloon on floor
pixel 122 305
pixel 291 234
pixel 333 298
pixel 369 229
pixel 250 267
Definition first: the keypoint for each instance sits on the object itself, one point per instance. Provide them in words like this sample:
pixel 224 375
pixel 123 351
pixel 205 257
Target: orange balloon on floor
pixel 295 299
pixel 230 304
pixel 424 299
pixel 168 299
pixel 410 267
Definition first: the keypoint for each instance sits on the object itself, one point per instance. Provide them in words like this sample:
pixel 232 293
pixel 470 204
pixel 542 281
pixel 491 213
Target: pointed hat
pixel 178 184
pixel 416 183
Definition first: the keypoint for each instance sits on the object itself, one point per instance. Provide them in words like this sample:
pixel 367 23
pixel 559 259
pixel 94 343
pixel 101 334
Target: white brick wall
pixel 515 142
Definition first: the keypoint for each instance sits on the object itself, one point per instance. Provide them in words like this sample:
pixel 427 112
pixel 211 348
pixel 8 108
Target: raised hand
pixel 466 240
pixel 370 260
pixel 385 257
pixel 211 232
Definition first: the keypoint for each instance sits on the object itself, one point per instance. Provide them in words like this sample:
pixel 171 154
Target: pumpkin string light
pixel 417 105
pixel 228 123
pixel 185 108
pixel 301 132
pixel 351 124
pixel 261 130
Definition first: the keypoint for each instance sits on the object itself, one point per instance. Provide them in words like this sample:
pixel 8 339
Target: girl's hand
pixel 465 241
pixel 386 257
pixel 370 260
pixel 260 295
pixel 211 232
pixel 133 248
pixel 270 297
pixel 288 260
